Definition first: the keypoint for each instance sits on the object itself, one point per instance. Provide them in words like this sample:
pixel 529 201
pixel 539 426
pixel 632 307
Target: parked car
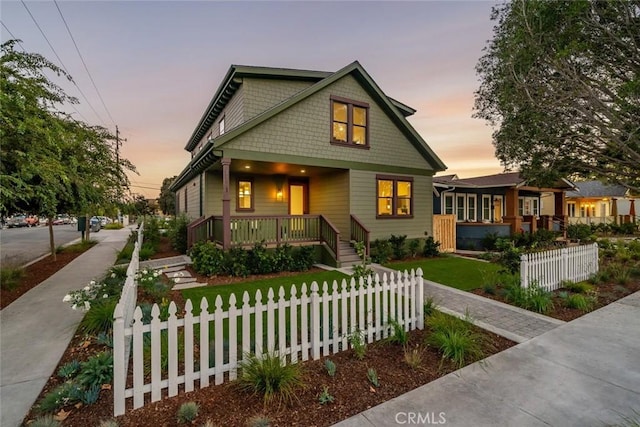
pixel 94 224
pixel 57 221
pixel 17 221
pixel 32 220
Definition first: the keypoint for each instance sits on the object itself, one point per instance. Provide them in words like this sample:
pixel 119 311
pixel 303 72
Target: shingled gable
pixel 395 110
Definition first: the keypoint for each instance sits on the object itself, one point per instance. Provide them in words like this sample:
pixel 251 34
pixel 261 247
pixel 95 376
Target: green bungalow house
pixel 305 157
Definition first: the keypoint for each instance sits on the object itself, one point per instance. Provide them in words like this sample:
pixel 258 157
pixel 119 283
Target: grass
pixel 271 377
pixel 460 273
pixel 10 276
pixel 225 291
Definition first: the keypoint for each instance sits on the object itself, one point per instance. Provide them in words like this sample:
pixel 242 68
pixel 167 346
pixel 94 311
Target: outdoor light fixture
pixel 279 181
pixel 279 195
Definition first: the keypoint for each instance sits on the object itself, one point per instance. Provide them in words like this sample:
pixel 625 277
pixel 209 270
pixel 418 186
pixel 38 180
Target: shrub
pixel 381 251
pixel 579 231
pixel 187 412
pixel 398 334
pixel 431 247
pixel 69 370
pixel 113 226
pixel 356 341
pixel 178 233
pixel 581 302
pixel 429 306
pixel 151 283
pixel 397 245
pixel 44 421
pixel 579 288
pixel 236 262
pixel 325 396
pixel 489 288
pixel 259 260
pixel 489 240
pixel 303 258
pixel 97 370
pixel 415 246
pixel 10 276
pixel 331 367
pixel 534 298
pixel 99 318
pixel 509 257
pixel 207 259
pixel 283 258
pixel 459 346
pixel 270 376
pixel 147 250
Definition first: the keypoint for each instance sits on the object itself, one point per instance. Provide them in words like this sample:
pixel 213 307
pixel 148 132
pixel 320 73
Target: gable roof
pixel 597 189
pixel 507 179
pixel 394 110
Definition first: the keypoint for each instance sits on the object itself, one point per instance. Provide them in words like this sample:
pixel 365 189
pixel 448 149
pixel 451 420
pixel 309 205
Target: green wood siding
pixel 329 196
pixel 262 94
pixel 265 203
pixel 192 189
pixel 233 114
pixel 212 194
pixel 304 130
pixel 363 205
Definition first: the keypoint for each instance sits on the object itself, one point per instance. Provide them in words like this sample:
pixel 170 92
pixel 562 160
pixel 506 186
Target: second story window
pixel 349 122
pixel 221 126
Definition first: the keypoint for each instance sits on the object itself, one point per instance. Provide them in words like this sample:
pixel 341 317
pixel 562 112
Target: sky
pixel 153 66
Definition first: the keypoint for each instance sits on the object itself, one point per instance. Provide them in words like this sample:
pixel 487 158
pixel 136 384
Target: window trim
pixel 489 210
pixel 221 126
pixel 350 104
pixel 462 196
pixel 475 208
pixel 394 200
pixel 252 196
pixel 453 204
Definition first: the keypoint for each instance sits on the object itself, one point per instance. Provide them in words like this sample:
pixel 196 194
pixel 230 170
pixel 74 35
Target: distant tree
pixel 167 199
pixel 560 82
pixel 50 162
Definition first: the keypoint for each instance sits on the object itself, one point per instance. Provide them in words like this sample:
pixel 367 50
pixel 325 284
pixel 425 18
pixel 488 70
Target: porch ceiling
pixel 252 167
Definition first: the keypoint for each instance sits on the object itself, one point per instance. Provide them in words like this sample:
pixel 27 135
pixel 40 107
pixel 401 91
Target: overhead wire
pixel 12 36
pixel 84 63
pixel 64 67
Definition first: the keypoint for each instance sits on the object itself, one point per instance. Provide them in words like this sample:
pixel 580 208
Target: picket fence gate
pixel 550 268
pixel 304 326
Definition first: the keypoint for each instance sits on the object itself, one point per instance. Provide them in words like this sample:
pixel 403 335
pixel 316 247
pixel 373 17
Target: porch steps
pixel 348 255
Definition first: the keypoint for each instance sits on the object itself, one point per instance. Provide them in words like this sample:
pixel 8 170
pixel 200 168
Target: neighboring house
pixel 305 157
pixel 594 202
pixel 500 204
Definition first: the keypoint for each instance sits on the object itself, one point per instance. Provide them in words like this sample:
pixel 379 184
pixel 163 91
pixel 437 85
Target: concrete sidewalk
pixel 36 329
pixel 583 373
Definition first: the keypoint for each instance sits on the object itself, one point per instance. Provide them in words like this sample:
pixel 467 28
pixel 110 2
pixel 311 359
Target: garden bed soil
pixel 227 405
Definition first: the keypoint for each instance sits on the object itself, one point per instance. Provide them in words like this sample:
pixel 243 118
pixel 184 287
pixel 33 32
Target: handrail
pixel 330 235
pixel 192 230
pixel 360 233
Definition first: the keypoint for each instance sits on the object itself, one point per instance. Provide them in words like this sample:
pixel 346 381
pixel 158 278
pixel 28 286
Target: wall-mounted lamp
pixel 279 195
pixel 279 181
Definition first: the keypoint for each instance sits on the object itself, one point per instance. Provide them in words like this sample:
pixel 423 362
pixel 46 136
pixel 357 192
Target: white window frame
pixel 221 126
pixel 462 197
pixel 535 206
pixel 444 204
pixel 571 209
pixel 488 199
pixel 520 206
pixel 469 212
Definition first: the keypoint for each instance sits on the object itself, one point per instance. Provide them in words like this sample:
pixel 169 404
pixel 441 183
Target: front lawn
pixel 460 273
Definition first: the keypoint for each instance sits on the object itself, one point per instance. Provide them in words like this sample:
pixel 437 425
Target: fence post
pixel 420 299
pixel 315 322
pixel 119 372
pixel 524 270
pixel 564 252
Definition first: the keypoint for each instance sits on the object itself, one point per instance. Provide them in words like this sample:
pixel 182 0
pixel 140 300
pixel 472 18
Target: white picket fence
pixel 298 326
pixel 549 268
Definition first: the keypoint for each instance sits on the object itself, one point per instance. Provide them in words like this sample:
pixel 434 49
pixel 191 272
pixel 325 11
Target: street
pixel 21 245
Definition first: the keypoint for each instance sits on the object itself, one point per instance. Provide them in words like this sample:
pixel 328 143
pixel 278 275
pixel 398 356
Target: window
pixel 177 202
pixel 520 206
pixel 571 208
pixel 460 211
pixel 186 208
pixel 221 126
pixel 244 201
pixel 448 204
pixel 394 197
pixel 349 122
pixel 535 208
pixel 486 208
pixel 471 207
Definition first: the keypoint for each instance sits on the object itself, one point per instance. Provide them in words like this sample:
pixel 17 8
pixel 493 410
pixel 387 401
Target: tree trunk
pixel 87 227
pixel 52 243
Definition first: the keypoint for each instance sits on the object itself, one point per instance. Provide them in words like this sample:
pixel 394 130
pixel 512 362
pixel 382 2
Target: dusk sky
pixel 157 64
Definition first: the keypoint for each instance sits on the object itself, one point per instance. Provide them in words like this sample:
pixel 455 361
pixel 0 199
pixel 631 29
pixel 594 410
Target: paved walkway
pixel 583 373
pixel 511 322
pixel 36 329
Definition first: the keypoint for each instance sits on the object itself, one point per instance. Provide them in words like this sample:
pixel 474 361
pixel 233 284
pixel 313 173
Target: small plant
pixel 381 251
pixel 259 421
pixel 581 302
pixel 534 298
pixel 10 276
pixel 105 339
pixel 431 247
pixel 372 376
pixel 108 423
pixel 397 244
pixel 270 376
pixel 413 357
pixel 459 346
pixel 415 246
pixel 398 334
pixel 579 288
pixel 187 412
pixel 325 396
pixel 97 370
pixel 69 370
pixel 356 341
pixel 331 367
pixel 509 257
pixel 362 270
pixel 63 395
pixel 99 318
pixel 44 421
pixel 489 288
pixel 91 395
pixel 429 306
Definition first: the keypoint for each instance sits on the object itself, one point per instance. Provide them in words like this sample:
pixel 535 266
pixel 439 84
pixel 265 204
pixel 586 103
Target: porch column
pixel 559 209
pixel 511 205
pixel 226 204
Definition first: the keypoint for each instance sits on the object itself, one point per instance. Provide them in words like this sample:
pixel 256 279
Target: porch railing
pixel 360 233
pixel 330 235
pixel 197 231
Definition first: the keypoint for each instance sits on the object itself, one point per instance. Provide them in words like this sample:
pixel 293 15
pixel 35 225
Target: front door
pixel 298 198
pixel 497 209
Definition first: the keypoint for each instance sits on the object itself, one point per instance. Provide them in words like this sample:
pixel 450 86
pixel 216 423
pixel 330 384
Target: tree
pixel 167 199
pixel 50 162
pixel 560 82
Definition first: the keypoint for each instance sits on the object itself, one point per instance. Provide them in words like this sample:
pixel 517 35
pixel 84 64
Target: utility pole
pixel 118 165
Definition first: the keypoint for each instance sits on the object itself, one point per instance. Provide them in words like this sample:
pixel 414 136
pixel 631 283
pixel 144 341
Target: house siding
pixel 363 205
pixel 329 196
pixel 304 130
pixel 192 200
pixel 233 114
pixel 213 194
pixel 264 196
pixel 262 94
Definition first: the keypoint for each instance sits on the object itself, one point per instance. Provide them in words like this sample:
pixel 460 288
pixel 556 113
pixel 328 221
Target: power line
pixel 13 37
pixel 148 188
pixel 63 67
pixel 83 63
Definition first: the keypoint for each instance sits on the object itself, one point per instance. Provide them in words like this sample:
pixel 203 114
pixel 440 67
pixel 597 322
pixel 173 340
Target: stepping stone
pixel 171 269
pixel 181 273
pixel 184 280
pixel 188 286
